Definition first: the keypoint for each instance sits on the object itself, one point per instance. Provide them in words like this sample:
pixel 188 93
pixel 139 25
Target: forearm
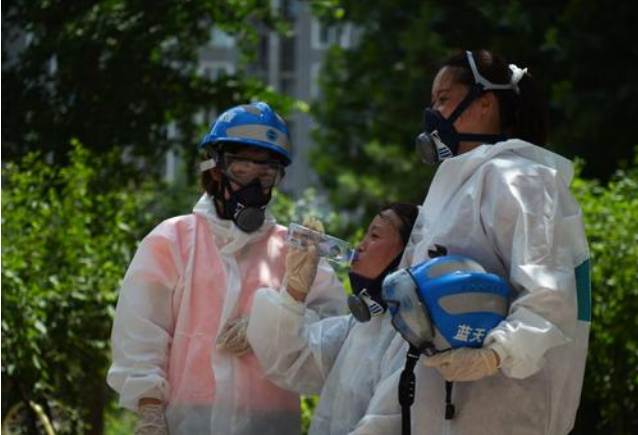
pixel 140 352
pixel 522 341
pixel 148 401
pixel 295 351
pixel 296 295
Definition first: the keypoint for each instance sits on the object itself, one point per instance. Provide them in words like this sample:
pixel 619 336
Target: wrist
pixel 497 358
pixel 296 294
pixel 500 353
pixel 146 401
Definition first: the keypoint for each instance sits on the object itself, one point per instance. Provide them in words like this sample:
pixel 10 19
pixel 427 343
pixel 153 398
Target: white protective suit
pixel 190 276
pixel 350 364
pixel 508 206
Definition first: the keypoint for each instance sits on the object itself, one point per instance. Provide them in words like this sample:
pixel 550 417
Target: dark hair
pixel 523 115
pixel 206 182
pixel 407 213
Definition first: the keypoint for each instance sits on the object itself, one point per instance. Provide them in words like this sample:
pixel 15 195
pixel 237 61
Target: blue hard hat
pixel 254 124
pixel 445 303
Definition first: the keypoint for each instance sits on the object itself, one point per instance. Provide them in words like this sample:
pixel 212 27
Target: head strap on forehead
pixel 403 227
pixel 383 214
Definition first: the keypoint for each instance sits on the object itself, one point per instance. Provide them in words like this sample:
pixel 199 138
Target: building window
pixel 289 9
pixel 315 70
pixel 221 39
pixel 214 70
pixel 287 84
pixel 324 35
pixel 291 131
pixel 263 53
pixel 287 61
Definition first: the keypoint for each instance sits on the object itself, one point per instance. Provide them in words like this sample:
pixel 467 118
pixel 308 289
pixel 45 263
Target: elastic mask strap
pixel 227 186
pixel 219 194
pixel 484 138
pixel 476 90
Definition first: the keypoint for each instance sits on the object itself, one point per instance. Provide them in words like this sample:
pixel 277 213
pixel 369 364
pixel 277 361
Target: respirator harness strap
pixel 476 91
pixel 407 384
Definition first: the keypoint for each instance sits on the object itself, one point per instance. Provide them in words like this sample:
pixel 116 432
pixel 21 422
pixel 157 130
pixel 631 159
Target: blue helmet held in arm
pixel 445 303
pixel 255 124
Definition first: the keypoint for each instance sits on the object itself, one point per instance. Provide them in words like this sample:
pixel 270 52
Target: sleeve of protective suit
pixel 536 229
pixel 383 415
pixel 143 325
pixel 295 348
pixel 326 297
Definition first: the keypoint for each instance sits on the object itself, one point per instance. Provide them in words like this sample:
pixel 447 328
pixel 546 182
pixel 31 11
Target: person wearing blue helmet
pixel 181 358
pixel 248 148
pixel 500 198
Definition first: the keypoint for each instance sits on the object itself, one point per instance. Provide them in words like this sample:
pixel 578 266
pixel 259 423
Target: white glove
pixel 233 337
pixel 464 364
pixel 151 420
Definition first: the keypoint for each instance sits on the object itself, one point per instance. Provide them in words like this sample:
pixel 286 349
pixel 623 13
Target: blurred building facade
pixel 291 66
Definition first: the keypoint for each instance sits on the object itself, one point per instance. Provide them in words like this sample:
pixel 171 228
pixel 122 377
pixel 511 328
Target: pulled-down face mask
pixel 440 140
pixel 366 302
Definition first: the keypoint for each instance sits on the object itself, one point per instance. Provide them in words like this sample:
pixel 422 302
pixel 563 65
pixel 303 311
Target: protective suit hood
pixel 483 153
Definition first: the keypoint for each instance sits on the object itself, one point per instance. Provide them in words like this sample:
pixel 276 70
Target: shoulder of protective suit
pixel 511 167
pixel 522 180
pixel 174 228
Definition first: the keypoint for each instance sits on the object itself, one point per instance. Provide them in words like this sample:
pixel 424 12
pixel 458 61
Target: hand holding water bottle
pixel 302 259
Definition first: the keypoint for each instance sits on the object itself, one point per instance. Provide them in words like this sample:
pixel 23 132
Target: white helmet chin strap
pixel 207 165
pixel 517 75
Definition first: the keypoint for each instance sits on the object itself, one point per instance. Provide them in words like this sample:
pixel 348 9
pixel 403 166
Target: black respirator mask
pixel 245 206
pixel 440 140
pixel 367 301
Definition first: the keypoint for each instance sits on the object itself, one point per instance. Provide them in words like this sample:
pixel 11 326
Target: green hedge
pixel 67 236
pixel 610 396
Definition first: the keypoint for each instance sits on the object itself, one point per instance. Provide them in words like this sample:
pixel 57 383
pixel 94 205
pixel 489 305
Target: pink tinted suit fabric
pixel 190 276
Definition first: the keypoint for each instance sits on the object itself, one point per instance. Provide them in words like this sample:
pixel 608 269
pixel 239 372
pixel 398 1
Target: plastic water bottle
pixel 331 248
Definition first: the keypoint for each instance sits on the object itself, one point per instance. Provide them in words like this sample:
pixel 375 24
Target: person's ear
pixel 488 102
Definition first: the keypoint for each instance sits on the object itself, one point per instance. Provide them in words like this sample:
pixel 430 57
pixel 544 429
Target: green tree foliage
pixel 609 402
pixel 374 94
pixel 67 241
pixel 116 73
pixel 64 250
pixel 308 406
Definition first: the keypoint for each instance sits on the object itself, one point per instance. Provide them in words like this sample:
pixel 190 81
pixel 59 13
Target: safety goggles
pixel 245 170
